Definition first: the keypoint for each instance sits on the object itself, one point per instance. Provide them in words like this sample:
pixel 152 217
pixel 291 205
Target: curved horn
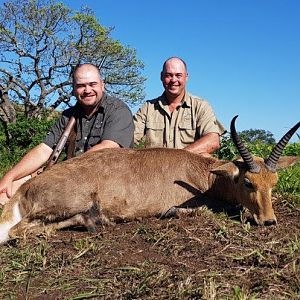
pixel 272 160
pixel 253 167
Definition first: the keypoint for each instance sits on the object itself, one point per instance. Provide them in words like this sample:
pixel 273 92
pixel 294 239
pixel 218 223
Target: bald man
pixel 102 122
pixel 178 119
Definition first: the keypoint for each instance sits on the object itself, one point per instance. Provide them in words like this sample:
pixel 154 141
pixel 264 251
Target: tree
pixel 40 43
pixel 257 135
pixel 258 141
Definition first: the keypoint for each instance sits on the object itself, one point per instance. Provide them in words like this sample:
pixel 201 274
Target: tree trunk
pixel 7 115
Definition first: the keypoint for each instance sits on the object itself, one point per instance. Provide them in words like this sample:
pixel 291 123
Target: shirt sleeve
pixel 207 121
pixel 119 127
pixel 55 132
pixel 139 119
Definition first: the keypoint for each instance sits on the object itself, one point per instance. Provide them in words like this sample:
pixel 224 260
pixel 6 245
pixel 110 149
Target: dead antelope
pixel 124 184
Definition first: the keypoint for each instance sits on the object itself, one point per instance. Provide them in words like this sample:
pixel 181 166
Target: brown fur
pixel 123 184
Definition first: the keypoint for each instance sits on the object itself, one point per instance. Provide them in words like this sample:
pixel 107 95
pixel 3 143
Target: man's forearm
pixel 33 160
pixel 103 145
pixel 206 144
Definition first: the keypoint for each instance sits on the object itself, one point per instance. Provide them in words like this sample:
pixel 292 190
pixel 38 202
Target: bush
pixel 292 149
pixel 289 184
pixel 260 149
pixel 228 150
pixel 26 134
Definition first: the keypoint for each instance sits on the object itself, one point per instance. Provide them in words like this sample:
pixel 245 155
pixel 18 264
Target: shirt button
pixel 85 138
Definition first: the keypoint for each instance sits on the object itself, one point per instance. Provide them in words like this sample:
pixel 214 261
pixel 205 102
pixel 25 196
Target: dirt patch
pixel 203 255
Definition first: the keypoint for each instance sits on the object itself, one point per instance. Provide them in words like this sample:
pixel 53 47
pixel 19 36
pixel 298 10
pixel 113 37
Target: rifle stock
pixel 61 143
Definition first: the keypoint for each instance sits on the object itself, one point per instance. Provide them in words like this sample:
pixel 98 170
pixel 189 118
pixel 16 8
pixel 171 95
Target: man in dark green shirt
pixel 102 122
pixel 111 121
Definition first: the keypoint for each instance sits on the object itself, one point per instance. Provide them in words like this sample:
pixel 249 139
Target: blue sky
pixel 243 56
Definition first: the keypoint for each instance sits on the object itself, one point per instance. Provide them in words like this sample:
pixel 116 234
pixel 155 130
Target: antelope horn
pixel 252 166
pixel 272 160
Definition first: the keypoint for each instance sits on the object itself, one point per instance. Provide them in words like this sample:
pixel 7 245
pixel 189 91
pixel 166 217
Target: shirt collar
pixel 186 102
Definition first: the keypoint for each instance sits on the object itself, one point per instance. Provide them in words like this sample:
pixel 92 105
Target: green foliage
pixel 257 148
pixel 292 149
pixel 140 145
pixel 289 182
pixel 257 135
pixel 2 135
pixel 227 150
pixel 25 133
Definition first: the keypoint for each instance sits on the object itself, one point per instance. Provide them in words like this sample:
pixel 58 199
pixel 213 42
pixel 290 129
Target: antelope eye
pixel 248 183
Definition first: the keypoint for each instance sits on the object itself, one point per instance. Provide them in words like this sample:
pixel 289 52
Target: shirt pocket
pixel 187 131
pixel 155 134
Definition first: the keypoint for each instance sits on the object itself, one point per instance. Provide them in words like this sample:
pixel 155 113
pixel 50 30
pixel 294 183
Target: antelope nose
pixel 270 222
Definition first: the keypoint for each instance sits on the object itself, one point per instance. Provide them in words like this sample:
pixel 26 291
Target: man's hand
pixel 6 185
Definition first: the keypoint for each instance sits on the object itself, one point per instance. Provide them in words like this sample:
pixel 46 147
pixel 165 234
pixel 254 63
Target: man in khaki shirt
pixel 177 119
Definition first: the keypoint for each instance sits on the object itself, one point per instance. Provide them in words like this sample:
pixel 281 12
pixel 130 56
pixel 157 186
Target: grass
pixel 289 184
pixel 203 256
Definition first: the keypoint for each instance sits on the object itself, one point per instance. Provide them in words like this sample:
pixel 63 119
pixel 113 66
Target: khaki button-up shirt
pixel 158 127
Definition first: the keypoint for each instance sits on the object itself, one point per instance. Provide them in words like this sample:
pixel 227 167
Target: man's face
pixel 174 77
pixel 88 87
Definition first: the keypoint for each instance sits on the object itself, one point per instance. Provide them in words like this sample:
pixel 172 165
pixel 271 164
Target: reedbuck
pixel 122 184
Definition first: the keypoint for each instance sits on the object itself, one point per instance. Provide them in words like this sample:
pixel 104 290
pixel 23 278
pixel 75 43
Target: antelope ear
pixel 228 169
pixel 286 161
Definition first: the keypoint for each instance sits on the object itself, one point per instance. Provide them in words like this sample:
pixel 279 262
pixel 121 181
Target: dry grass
pixel 200 256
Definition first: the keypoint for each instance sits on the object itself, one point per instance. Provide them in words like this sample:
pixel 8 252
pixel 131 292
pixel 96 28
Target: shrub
pixel 228 150
pixel 25 134
pixel 289 184
pixel 292 149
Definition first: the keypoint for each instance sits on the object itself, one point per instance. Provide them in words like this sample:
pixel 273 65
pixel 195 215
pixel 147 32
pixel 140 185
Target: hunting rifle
pixel 64 137
pixel 61 143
